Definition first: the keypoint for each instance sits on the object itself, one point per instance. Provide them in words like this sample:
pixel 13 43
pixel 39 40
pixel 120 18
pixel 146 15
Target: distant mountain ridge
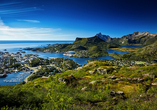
pixel 144 38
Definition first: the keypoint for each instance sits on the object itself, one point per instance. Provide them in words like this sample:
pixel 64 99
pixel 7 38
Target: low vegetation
pixel 147 53
pixel 98 85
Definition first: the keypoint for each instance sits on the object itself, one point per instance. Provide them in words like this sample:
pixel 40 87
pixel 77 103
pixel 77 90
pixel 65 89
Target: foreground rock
pixel 102 71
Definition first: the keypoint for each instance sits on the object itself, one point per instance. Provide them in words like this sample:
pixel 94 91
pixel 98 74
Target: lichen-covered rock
pixel 154 84
pixel 60 79
pixel 148 75
pixel 92 82
pixel 79 68
pixel 92 71
pixel 112 93
pixel 102 71
pixel 120 92
pixel 112 77
pixel 84 88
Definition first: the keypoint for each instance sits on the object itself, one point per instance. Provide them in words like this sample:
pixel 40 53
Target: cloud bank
pixel 33 33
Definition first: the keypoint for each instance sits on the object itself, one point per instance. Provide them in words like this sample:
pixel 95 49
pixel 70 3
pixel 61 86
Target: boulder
pixel 79 68
pixel 148 75
pixel 92 71
pixel 92 82
pixel 115 71
pixel 140 79
pixel 134 79
pixel 61 80
pixel 154 84
pixel 102 71
pixel 84 88
pixel 112 77
pixel 112 93
pixel 120 92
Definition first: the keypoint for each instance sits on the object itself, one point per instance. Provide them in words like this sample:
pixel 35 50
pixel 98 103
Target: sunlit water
pixel 16 46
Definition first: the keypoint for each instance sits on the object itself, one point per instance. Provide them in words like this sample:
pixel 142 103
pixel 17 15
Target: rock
pixel 140 79
pixel 148 75
pixel 115 71
pixel 90 63
pixel 113 77
pixel 84 88
pixel 120 92
pixel 92 82
pixel 60 79
pixel 79 68
pixel 154 84
pixel 92 71
pixel 118 79
pixel 134 79
pixel 112 93
pixel 145 74
pixel 115 98
pixel 102 71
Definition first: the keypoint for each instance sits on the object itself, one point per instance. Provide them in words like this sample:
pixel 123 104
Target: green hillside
pixel 91 47
pixel 147 53
pixel 95 86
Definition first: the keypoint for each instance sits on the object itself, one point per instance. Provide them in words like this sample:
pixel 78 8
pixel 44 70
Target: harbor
pixel 14 78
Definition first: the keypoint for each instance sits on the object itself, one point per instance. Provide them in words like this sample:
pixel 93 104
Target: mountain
pixel 103 37
pixel 93 41
pixel 144 38
pixel 91 47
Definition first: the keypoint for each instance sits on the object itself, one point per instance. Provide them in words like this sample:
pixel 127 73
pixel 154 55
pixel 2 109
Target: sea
pixel 17 46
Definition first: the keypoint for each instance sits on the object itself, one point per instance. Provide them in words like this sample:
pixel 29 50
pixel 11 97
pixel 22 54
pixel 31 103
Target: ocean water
pixel 16 46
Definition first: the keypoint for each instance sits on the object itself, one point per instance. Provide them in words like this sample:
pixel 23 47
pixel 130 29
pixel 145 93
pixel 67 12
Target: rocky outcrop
pixel 113 93
pixel 102 71
pixel 103 37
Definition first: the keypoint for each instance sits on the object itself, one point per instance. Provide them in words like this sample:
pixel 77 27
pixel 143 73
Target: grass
pixel 52 94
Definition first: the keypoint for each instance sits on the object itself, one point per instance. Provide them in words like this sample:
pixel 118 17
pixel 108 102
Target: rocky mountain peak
pixel 103 37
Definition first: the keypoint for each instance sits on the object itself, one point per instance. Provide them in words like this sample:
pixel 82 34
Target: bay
pixel 16 46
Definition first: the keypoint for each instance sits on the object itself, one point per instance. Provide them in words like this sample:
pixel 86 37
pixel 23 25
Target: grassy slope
pixel 147 53
pixel 52 94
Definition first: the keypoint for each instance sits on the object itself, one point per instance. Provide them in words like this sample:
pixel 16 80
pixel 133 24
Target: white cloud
pixel 33 33
pixel 31 21
pixel 13 11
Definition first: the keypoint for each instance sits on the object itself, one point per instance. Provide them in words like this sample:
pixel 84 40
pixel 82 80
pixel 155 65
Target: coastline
pixel 26 79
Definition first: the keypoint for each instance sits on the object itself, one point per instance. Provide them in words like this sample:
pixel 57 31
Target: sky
pixel 68 19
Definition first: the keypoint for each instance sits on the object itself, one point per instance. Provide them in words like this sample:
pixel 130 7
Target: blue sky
pixel 68 19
